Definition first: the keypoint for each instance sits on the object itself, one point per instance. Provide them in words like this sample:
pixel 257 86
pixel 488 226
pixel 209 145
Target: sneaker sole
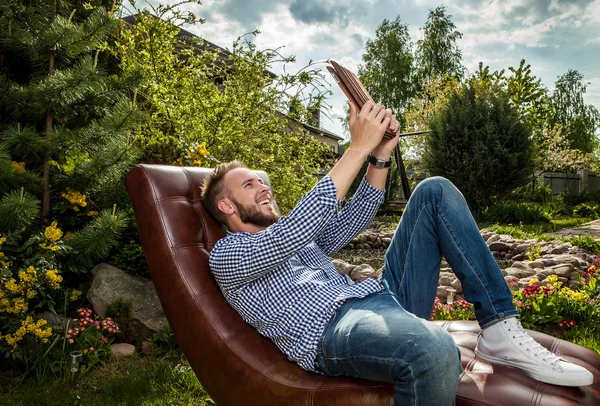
pixel 577 380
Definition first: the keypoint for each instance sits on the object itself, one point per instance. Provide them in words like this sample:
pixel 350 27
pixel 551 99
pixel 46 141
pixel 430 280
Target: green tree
pixel 568 109
pixel 65 125
pixel 388 71
pixel 438 54
pixel 529 96
pixel 207 107
pixel 480 143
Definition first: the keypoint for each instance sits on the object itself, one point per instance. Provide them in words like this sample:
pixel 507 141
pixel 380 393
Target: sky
pixel 551 35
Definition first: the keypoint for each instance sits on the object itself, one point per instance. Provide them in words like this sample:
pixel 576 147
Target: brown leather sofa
pixel 237 366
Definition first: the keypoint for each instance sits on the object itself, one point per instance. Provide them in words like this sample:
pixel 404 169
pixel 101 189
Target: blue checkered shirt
pixel 281 280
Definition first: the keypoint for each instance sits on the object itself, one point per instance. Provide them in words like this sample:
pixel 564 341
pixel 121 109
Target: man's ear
pixel 226 206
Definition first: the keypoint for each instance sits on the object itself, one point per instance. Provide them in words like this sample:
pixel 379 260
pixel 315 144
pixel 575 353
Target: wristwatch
pixel 378 163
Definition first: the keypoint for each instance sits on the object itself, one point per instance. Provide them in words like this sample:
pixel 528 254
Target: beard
pixel 251 214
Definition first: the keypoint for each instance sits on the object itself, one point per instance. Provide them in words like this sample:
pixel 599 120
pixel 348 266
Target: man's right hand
pixel 367 128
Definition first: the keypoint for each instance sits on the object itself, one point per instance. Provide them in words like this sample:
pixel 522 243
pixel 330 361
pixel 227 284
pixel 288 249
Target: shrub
pixel 121 311
pixel 480 143
pixel 589 210
pixel 587 242
pixel 512 212
pixel 529 193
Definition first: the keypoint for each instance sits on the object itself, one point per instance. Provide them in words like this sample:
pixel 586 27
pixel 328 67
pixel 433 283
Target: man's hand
pixel 385 148
pixel 367 128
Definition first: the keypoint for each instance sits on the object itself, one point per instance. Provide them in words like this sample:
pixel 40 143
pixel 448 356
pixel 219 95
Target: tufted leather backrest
pixel 236 365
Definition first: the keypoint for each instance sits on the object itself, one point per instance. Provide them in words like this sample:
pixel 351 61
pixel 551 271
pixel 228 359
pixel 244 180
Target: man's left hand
pixel 385 148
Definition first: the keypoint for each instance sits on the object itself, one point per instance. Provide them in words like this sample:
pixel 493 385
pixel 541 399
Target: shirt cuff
pixel 327 191
pixel 367 192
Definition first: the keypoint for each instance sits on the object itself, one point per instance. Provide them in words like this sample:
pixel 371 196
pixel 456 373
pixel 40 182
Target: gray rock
pixel 343 267
pixel 446 280
pixel 499 246
pixel 537 264
pixel 362 272
pixel 549 262
pixel 442 293
pixel 493 238
pixel 520 273
pixel 522 265
pixel 561 249
pixel 110 284
pixel 121 350
pixel 457 285
pixel 564 270
pixel 520 248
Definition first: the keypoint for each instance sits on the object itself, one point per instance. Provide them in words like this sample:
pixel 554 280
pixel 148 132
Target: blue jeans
pixel 387 336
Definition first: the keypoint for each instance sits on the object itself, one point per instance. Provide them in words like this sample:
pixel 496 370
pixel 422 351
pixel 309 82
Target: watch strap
pixel 378 163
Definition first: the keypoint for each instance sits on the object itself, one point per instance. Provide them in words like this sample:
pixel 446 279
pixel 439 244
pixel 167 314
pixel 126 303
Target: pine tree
pixel 65 123
pixel 480 143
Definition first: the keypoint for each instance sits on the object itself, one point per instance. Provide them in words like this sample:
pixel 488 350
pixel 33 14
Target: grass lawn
pixel 135 381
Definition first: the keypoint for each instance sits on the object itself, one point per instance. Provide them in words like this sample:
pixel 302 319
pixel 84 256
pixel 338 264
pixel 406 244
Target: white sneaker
pixel 506 343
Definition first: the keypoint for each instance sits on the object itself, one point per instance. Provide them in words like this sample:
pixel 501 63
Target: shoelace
pixel 533 346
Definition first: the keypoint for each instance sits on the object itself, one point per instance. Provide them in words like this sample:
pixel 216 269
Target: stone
pixel 343 267
pixel 522 265
pixel 520 273
pixel 110 284
pixel 362 272
pixel 564 270
pixel 499 246
pixel 147 348
pixel 493 238
pixel 57 321
pixel 121 350
pixel 441 292
pixel 520 248
pixel 446 280
pixel 519 257
pixel 561 249
pixel 537 264
pixel 549 262
pixel 457 285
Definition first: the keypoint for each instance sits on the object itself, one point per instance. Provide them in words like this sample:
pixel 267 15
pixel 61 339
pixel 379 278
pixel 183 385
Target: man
pixel 277 274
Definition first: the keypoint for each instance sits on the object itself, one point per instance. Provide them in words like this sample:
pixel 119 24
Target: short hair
pixel 213 188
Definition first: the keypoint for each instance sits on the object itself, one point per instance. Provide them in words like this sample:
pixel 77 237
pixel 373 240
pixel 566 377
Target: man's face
pixel 252 198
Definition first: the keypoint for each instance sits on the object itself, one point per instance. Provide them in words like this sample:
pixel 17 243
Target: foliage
pixel 65 127
pixel 31 279
pixel 130 258
pixel 458 310
pixel 586 210
pixel 545 305
pixel 512 212
pixel 534 252
pixel 438 54
pixel 531 193
pixel 164 344
pixel 569 110
pixel 586 242
pixel 551 302
pixel 210 106
pixel 480 143
pixel 573 199
pixel 130 381
pixel 121 311
pixel 388 71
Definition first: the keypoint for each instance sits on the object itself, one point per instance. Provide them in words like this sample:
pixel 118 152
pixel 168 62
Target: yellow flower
pixel 50 247
pixel 92 213
pixel 2 240
pixel 53 233
pixel 31 293
pixel 53 278
pixel 533 280
pixel 12 286
pixel 552 278
pixel 17 167
pixel 5 264
pixel 75 294
pixel 75 198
